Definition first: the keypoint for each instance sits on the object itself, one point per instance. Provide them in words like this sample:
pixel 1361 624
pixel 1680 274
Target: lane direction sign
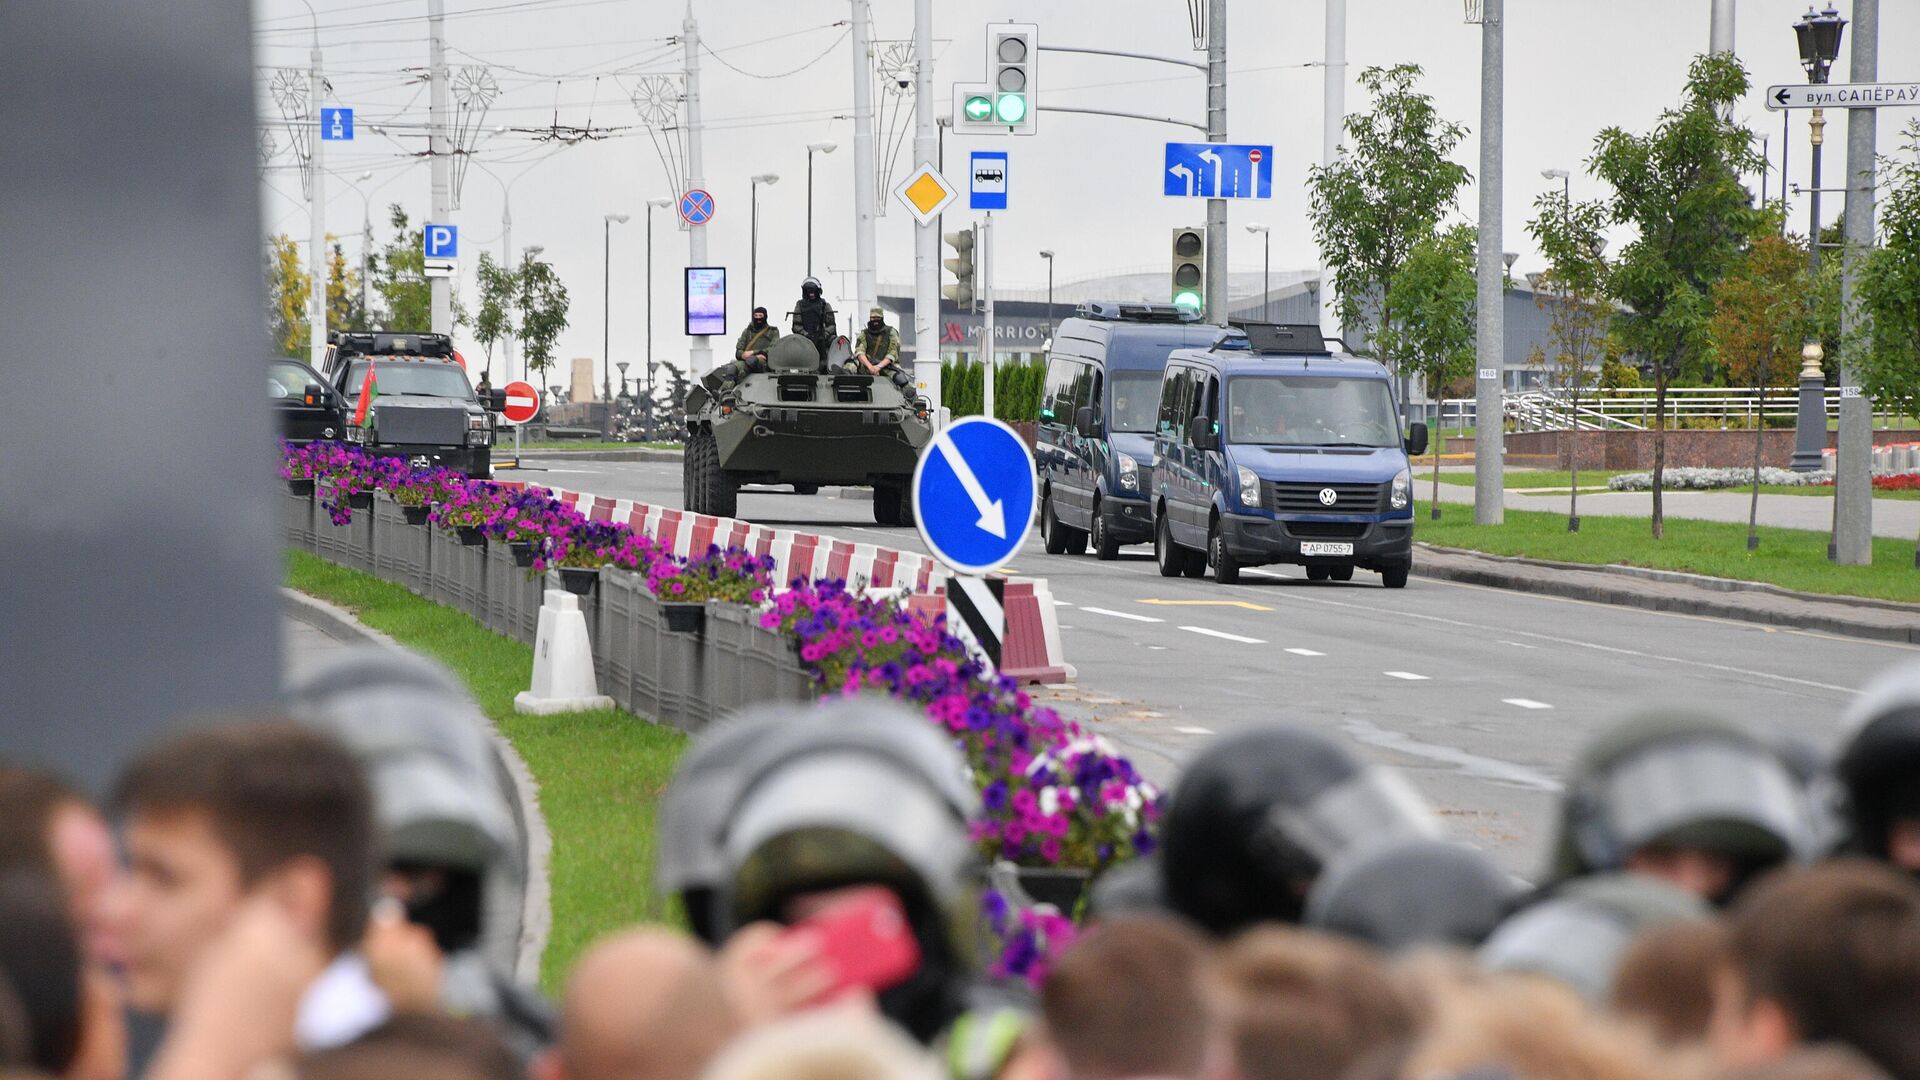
pixel 336 124
pixel 1218 171
pixel 987 188
pixel 974 494
pixel 523 402
pixel 696 207
pixel 926 193
pixel 1843 96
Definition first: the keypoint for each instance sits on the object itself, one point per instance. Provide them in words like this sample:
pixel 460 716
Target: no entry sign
pixel 523 403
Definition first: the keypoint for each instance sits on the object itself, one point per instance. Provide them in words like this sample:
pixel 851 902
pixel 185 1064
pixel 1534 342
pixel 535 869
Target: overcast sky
pixel 1086 187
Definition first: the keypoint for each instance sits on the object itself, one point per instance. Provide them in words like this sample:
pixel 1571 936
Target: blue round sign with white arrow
pixel 973 493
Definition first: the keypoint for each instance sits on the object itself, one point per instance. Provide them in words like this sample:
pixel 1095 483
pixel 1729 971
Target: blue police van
pixel 1271 448
pixel 1094 446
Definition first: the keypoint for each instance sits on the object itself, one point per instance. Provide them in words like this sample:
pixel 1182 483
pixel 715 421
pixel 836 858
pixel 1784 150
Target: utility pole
pixel 983 267
pixel 317 243
pixel 1333 118
pixel 1489 451
pixel 1853 475
pixel 1720 36
pixel 926 235
pixel 863 175
pixel 1217 132
pixel 440 155
pixel 700 351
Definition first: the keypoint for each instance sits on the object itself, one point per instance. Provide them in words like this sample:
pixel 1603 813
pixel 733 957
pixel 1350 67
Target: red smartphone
pixel 864 936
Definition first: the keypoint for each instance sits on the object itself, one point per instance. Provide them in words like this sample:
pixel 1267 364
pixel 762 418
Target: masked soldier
pixel 813 319
pixel 877 351
pixel 749 353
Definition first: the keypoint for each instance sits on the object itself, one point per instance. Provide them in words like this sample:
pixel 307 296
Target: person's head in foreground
pixel 640 1005
pixel 1298 1005
pixel 1128 999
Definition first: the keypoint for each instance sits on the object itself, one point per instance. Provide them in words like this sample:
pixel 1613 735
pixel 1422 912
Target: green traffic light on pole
pixel 1187 299
pixel 1010 108
pixel 978 107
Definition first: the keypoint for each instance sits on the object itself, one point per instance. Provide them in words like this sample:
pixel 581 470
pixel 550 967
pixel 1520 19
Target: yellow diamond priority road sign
pixel 926 193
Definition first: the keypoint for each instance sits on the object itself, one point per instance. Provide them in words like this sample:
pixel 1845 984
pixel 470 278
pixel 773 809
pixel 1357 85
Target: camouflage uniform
pixel 813 319
pixel 754 340
pixel 882 348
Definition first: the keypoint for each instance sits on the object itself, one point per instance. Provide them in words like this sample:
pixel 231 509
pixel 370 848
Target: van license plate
pixel 1309 548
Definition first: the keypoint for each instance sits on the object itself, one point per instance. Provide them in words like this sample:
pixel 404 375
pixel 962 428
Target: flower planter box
pixel 300 488
pixel 579 580
pixel 360 500
pixel 684 617
pixel 416 515
pixel 471 536
pixel 522 554
pixel 1057 885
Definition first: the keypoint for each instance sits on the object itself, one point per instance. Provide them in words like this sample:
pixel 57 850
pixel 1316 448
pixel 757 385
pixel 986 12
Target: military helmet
pixel 439 788
pixel 1257 816
pixel 1579 934
pixel 811 283
pixel 1412 891
pixel 1879 769
pixel 1682 779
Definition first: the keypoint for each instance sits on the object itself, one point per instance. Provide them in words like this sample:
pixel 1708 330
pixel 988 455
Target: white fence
pixel 1632 410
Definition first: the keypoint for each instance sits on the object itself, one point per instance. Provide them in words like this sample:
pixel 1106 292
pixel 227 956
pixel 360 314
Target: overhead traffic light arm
pixel 1201 128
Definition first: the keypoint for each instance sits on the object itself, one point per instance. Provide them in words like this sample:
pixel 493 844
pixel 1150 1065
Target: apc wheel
pixel 1343 572
pixel 1318 573
pixel 1166 555
pixel 1395 577
pixel 1226 569
pixel 1105 547
pixel 886 504
pixel 713 493
pixel 806 489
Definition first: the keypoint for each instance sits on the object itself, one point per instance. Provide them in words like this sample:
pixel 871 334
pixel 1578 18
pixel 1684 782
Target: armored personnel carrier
pixel 798 424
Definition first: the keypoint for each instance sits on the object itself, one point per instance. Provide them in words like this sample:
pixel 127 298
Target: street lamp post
pixel 1048 255
pixel 1266 269
pixel 812 148
pixel 753 257
pixel 1819 38
pixel 652 205
pixel 606 310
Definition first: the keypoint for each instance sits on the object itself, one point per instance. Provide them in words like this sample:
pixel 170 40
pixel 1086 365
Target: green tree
pixel 343 291
pixel 1888 291
pixel 499 293
pixel 1388 192
pixel 406 297
pixel 1761 315
pixel 543 312
pixel 289 289
pixel 1432 304
pixel 1572 291
pixel 1678 188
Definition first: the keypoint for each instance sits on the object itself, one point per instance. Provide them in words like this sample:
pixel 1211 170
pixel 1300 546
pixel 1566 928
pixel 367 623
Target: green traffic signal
pixel 1188 299
pixel 978 107
pixel 1010 108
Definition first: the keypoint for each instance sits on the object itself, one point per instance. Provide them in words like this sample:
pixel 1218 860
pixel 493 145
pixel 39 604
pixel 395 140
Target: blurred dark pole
pixel 138 534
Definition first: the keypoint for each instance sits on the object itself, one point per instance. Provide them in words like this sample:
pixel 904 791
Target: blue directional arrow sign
pixel 336 125
pixel 973 493
pixel 441 241
pixel 1218 171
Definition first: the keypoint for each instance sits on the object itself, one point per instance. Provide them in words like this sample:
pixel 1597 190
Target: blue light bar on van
pixel 1117 311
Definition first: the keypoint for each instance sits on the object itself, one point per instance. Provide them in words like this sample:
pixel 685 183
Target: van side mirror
pixel 1083 424
pixel 1417 440
pixel 496 400
pixel 1206 434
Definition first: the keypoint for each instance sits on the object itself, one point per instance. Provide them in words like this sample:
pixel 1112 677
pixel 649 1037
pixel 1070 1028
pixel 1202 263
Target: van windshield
pixel 1303 410
pixel 1136 401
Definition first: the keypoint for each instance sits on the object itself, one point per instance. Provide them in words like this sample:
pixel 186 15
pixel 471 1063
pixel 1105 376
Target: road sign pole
pixel 985 264
pixel 926 235
pixel 865 200
pixel 1488 437
pixel 1216 299
pixel 1853 479
pixel 440 158
pixel 699 349
pixel 317 238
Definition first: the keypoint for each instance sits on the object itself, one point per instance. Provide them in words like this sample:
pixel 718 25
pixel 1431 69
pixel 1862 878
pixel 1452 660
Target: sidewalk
pixel 1891 517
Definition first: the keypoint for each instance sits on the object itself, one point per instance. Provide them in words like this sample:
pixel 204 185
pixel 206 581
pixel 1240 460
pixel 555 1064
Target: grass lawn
pixel 1790 558
pixel 1526 478
pixel 600 773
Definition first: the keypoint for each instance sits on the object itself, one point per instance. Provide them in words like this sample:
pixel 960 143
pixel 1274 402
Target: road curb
pixel 536 911
pixel 1677 593
pixel 636 454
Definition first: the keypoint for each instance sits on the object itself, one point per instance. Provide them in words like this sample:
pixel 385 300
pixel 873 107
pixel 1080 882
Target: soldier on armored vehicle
pixel 877 352
pixel 813 319
pixel 749 355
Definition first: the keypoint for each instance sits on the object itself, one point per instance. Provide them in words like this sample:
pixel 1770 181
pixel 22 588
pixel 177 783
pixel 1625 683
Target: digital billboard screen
pixel 706 300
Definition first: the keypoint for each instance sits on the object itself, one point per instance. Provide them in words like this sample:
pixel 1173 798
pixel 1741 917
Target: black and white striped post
pixel 976 614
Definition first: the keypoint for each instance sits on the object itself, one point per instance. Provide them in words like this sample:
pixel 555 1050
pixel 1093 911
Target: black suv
pixel 423 407
pixel 307 407
pixel 1094 452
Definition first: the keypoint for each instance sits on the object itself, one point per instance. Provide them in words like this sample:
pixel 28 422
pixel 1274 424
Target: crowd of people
pixel 331 893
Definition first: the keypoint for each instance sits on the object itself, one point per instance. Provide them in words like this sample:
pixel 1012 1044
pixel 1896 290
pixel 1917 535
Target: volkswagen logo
pixel 1328 496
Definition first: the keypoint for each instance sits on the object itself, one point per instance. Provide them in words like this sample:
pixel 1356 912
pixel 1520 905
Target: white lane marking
pixel 1525 703
pixel 1410 676
pixel 1518 645
pixel 1158 648
pixel 1223 635
pixel 1061 603
pixel 1305 652
pixel 1121 614
pixel 1193 730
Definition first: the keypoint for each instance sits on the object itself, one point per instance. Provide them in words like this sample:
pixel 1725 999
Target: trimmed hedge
pixel 1017 388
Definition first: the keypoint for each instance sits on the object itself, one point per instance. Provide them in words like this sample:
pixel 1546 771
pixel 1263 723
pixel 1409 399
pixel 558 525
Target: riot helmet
pixel 687 856
pixel 1579 934
pixel 1879 769
pixel 810 288
pixel 438 784
pixel 1681 782
pixel 1412 891
pixel 1259 814
pixel 863 792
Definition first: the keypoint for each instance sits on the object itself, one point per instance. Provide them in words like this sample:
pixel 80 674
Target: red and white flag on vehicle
pixel 363 415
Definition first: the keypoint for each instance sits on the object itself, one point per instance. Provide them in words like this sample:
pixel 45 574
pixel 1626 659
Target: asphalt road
pixel 1482 695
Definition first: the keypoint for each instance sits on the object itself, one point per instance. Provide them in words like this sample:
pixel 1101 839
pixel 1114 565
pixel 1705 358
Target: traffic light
pixel 1190 267
pixel 1013 60
pixel 961 291
pixel 973 110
